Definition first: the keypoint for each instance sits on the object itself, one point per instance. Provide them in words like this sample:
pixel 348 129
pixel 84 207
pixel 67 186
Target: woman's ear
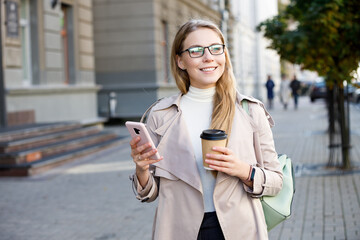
pixel 180 63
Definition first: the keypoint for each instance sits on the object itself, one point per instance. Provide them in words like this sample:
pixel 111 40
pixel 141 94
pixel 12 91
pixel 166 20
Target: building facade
pixel 48 61
pixel 133 43
pixel 80 59
pixel 252 61
pixel 132 50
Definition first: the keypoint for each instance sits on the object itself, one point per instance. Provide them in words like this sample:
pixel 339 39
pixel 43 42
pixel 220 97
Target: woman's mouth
pixel 208 69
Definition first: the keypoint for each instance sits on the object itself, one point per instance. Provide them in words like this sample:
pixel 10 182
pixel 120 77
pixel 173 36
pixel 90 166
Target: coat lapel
pixel 175 147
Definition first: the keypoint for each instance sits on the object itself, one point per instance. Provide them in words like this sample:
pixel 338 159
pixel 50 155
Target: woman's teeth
pixel 208 69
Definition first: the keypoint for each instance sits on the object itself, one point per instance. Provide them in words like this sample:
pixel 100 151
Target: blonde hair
pixel 225 96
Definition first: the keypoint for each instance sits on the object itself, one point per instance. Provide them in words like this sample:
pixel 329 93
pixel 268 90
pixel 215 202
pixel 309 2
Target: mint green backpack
pixel 278 208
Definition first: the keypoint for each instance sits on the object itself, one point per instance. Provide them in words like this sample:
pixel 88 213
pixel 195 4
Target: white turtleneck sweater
pixel 196 106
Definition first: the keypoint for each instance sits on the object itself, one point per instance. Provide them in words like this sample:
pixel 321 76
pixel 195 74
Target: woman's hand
pixel 142 159
pixel 226 162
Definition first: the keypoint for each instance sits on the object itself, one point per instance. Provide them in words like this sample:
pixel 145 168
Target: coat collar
pixel 168 102
pixel 175 101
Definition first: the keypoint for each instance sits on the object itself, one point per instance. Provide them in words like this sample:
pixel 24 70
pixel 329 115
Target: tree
pixel 321 35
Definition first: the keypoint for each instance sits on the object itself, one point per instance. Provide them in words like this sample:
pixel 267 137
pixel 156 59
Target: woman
pixel 285 93
pixel 193 203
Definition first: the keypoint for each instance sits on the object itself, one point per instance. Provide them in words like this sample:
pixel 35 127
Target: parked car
pixel 318 91
pixel 355 97
pixel 305 87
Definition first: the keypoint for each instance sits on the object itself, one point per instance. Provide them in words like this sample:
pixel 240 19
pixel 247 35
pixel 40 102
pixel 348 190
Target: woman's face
pixel 206 70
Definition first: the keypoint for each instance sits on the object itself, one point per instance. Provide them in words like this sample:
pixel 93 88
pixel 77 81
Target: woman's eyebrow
pixel 194 46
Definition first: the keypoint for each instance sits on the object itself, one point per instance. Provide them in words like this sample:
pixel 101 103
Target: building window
pixel 67 33
pixel 25 42
pixel 164 52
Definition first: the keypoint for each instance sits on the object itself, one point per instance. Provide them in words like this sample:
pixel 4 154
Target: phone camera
pixel 137 131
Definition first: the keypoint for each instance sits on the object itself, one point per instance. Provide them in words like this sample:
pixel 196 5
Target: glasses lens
pixel 216 49
pixel 196 51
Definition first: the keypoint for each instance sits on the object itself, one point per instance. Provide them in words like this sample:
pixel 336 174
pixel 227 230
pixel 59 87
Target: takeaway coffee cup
pixel 211 138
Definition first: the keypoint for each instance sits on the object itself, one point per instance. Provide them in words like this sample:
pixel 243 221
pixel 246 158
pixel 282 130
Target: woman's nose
pixel 207 55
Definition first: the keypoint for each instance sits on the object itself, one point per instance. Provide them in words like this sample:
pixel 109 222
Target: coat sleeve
pixel 268 176
pixel 150 192
pixel 147 194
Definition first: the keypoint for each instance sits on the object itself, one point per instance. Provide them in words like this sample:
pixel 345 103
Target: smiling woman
pixel 207 70
pixel 220 201
pixel 203 67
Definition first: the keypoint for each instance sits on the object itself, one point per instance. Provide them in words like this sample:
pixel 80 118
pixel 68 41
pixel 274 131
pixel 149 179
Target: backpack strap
pixel 245 105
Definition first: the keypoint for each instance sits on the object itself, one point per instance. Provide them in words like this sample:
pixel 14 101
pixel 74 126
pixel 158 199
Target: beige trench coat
pixel 175 181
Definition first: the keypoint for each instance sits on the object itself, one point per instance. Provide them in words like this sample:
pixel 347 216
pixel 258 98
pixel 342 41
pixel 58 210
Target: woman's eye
pixel 196 50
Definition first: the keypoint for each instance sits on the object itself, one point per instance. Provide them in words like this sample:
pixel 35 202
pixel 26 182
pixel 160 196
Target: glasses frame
pixel 203 52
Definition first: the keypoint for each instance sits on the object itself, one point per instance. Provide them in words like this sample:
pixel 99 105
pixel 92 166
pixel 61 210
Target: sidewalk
pixel 327 201
pixel 91 199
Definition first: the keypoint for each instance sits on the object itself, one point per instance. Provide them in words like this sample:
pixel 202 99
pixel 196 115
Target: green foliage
pixel 320 35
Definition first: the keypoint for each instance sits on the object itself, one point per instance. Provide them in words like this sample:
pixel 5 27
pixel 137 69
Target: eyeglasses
pixel 196 52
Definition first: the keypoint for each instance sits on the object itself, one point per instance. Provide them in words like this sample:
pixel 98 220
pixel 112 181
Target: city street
pixel 92 199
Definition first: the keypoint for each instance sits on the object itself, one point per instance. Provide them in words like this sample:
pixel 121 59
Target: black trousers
pixel 210 228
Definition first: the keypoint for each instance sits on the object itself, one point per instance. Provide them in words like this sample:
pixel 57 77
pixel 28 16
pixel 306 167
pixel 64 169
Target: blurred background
pixel 86 60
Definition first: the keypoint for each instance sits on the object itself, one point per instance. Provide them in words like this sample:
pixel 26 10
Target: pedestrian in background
pixel 295 87
pixel 195 203
pixel 285 92
pixel 270 91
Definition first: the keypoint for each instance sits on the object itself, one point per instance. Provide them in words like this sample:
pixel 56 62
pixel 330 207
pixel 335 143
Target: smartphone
pixel 138 129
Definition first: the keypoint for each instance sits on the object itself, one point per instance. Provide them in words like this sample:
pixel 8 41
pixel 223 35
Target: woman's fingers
pixel 149 154
pixel 146 155
pixel 133 142
pixel 145 163
pixel 219 169
pixel 221 158
pixel 218 163
pixel 140 153
pixel 223 161
pixel 142 148
pixel 139 149
pixel 148 161
pixel 140 156
pixel 226 162
pixel 224 154
pixel 223 150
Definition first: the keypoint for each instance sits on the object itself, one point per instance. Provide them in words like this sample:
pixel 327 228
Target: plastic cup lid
pixel 213 134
